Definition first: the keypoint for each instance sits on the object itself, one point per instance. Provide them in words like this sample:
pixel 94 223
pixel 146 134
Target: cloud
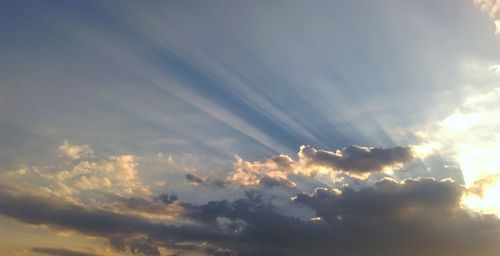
pixel 268 172
pixel 413 217
pixel 425 215
pixel 162 207
pixel 115 174
pixel 167 198
pixel 470 136
pixel 60 252
pixel 354 161
pixel 491 7
pixel 132 232
pixel 140 246
pixel 479 186
pixel 75 151
pixel 195 179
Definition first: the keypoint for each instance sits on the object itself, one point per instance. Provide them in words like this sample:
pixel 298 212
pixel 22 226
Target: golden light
pixel 471 135
pixel 424 149
pixel 487 201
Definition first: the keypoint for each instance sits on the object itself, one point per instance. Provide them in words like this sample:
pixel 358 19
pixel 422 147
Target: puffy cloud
pixel 117 174
pixel 412 198
pixel 354 161
pixel 75 151
pixel 269 172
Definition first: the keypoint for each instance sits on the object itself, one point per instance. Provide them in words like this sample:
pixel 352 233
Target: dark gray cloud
pixel 415 217
pixel 355 158
pixel 60 252
pixel 167 198
pixel 195 179
pixel 34 209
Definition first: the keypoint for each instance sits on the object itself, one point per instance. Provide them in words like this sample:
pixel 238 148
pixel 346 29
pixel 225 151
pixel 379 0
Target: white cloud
pixel 75 151
pixel 74 180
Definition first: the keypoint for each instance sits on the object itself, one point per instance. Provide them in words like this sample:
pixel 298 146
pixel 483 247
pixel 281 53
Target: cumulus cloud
pixel 75 151
pixel 111 174
pixel 354 161
pixel 269 172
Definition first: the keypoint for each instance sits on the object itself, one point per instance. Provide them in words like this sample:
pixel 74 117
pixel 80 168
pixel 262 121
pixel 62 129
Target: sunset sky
pixel 239 128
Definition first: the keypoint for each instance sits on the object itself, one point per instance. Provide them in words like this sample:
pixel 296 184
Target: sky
pixel 225 128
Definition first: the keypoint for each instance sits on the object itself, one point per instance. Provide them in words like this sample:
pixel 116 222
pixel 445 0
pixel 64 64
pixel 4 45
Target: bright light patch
pixel 424 149
pixel 471 135
pixel 486 202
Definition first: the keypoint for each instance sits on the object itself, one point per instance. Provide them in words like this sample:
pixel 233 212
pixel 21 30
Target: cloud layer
pixel 412 217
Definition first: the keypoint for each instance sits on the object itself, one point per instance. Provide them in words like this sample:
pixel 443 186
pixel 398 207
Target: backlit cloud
pixel 243 128
pixel 354 161
pixel 424 214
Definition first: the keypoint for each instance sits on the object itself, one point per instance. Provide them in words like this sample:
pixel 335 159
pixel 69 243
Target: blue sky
pixel 145 93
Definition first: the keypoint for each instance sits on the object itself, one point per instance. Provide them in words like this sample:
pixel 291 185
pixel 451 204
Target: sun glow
pixel 471 135
pixel 487 201
pixel 477 156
